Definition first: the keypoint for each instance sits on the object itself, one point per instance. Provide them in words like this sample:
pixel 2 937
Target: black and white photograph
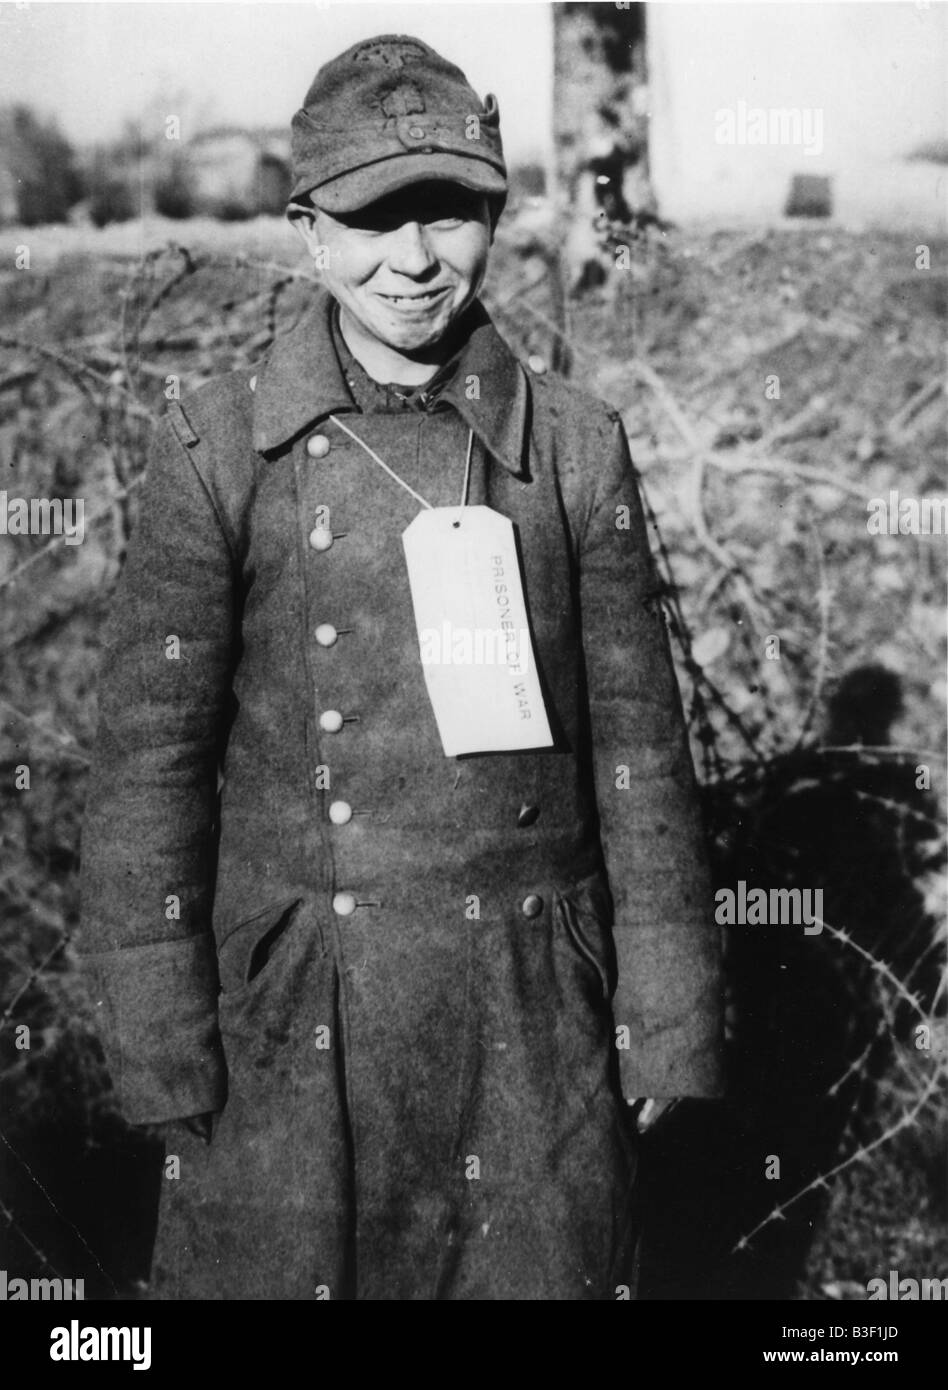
pixel 473 561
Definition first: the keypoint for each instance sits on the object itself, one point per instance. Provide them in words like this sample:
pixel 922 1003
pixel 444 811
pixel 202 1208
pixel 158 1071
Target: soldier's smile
pixel 420 301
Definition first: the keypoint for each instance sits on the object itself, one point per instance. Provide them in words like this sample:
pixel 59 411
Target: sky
pixel 97 65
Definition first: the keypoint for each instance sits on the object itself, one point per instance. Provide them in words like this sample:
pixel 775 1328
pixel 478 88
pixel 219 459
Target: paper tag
pixel 475 645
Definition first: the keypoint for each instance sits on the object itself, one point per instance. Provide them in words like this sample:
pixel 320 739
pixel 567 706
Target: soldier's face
pixel 407 266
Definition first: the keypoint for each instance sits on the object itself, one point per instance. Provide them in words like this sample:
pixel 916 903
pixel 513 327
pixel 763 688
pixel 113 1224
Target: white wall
pixel 875 76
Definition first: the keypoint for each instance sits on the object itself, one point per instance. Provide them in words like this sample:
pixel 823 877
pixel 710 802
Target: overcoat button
pixel 340 813
pixel 527 815
pixel 320 538
pixel 532 905
pixel 326 634
pixel 318 447
pixel 330 721
pixel 344 904
pixel 536 364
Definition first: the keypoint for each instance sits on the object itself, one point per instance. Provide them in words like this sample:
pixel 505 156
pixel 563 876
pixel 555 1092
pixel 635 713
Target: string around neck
pixel 401 481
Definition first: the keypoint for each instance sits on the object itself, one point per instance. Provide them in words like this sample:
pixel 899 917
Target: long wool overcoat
pixel 422 1098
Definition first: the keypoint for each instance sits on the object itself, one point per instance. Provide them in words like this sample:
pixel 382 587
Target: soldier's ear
pixel 302 217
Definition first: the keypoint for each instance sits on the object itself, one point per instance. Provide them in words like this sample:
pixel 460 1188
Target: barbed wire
pixel 823 1181
pixel 42 1259
pixel 57 1210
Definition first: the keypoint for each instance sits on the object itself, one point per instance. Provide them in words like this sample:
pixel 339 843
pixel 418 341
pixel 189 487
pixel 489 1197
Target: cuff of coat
pixel 155 1008
pixel 681 1059
pixel 696 1075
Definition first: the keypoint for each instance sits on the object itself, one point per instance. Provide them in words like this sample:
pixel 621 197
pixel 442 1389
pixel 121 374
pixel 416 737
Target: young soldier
pixel 394 984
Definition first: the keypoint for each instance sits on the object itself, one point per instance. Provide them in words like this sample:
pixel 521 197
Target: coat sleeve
pixel 668 994
pixel 147 842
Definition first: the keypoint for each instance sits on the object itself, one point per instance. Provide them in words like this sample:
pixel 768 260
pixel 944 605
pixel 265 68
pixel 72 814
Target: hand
pixel 647 1113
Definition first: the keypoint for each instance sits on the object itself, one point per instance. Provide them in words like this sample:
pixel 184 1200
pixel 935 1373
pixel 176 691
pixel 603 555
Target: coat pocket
pixel 247 949
pixel 585 914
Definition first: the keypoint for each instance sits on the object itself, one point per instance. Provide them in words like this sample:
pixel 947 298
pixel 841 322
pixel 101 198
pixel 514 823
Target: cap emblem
pixel 404 100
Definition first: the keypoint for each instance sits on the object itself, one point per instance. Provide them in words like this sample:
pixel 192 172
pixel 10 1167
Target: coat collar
pixel 301 383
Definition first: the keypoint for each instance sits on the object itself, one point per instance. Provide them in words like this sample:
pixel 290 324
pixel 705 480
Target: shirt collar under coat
pixel 300 383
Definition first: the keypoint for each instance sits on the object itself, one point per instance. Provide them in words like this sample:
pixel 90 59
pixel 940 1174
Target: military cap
pixel 387 113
